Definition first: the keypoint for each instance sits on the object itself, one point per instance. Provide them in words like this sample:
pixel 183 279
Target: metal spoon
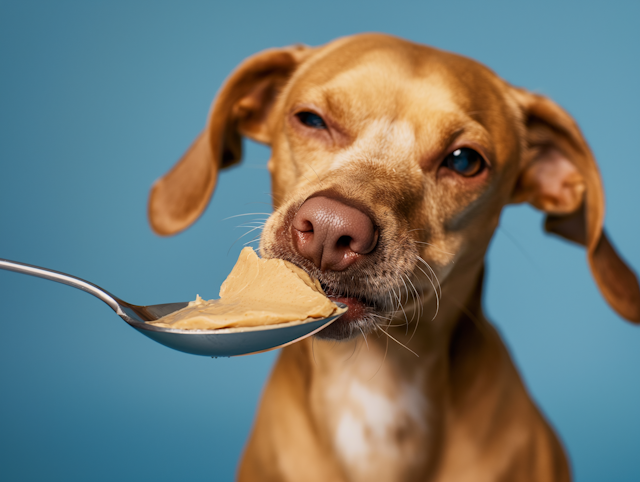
pixel 225 342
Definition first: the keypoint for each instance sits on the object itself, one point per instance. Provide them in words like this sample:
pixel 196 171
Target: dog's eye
pixel 465 161
pixel 311 120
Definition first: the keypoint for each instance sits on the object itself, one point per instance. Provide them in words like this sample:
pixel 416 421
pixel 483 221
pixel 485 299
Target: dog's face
pixel 429 157
pixel 417 148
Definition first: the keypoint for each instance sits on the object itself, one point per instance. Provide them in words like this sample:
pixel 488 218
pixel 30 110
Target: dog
pixel 391 163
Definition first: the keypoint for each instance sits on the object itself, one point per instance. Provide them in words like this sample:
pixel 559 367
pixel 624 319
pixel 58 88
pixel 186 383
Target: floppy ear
pixel 241 108
pixel 559 176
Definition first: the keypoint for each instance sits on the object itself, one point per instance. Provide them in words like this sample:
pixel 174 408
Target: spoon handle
pixel 63 278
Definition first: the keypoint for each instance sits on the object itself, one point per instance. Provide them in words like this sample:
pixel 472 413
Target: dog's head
pixel 392 161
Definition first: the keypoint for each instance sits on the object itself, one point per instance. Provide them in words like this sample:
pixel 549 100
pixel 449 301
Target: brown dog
pixel 391 164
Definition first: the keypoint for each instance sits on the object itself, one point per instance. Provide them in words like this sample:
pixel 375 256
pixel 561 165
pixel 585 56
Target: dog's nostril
pixel 331 234
pixel 303 225
pixel 344 241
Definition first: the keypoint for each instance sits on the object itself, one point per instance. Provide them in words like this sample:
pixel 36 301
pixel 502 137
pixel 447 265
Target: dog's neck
pixel 383 388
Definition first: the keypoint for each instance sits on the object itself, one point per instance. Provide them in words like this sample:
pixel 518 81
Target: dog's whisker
pixel 431 271
pixel 390 325
pixel 435 291
pixel 258 202
pixel 247 214
pixel 406 289
pixel 419 310
pixel 390 301
pixel 250 231
pixel 395 300
pixel 402 308
pixel 404 346
pixel 416 297
pixel 385 318
pixel 398 299
pixel 438 296
pixel 255 221
pixel 252 224
pixel 364 336
pixel 257 238
pixel 413 298
pixel 378 315
pixel 240 237
pixel 382 317
pixel 386 350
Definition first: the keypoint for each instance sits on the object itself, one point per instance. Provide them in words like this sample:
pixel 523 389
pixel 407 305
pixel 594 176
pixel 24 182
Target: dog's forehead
pixel 371 65
pixel 376 78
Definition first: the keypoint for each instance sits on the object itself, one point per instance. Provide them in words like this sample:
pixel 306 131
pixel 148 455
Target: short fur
pixel 394 110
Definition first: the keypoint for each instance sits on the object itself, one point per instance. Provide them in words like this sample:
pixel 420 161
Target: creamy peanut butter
pixel 257 292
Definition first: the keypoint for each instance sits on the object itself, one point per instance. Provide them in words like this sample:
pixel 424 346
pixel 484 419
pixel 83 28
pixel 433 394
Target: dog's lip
pixel 358 308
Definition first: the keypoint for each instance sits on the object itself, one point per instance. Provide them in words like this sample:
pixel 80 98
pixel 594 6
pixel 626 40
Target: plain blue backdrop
pixel 98 99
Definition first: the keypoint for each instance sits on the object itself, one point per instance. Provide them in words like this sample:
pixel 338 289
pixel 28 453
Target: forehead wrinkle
pixel 381 140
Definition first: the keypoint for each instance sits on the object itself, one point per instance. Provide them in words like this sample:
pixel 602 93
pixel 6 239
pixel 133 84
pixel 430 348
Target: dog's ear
pixel 559 176
pixel 241 108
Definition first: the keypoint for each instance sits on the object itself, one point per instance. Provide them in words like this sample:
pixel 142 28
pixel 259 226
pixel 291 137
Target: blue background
pixel 99 99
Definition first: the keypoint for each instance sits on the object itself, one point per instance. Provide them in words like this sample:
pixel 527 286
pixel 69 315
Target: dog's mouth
pixel 360 318
pixel 357 307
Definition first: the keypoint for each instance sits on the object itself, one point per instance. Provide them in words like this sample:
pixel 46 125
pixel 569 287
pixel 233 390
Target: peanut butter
pixel 257 292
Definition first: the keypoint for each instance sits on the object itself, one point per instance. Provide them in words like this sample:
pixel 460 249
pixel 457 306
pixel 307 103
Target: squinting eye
pixel 465 162
pixel 311 120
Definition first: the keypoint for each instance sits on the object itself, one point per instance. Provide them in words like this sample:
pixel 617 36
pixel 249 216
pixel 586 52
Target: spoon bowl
pixel 227 342
pixel 224 342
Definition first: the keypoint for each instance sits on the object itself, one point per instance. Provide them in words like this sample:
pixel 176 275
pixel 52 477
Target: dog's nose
pixel 332 234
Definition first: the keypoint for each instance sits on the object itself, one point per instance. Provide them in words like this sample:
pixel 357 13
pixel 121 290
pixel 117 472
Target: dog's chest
pixel 378 426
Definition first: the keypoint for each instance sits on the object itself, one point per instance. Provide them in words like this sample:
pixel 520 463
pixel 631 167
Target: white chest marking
pixel 375 432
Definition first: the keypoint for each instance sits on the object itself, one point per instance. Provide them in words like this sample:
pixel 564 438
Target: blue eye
pixel 465 162
pixel 311 120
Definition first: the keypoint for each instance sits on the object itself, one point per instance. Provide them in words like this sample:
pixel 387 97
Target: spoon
pixel 224 342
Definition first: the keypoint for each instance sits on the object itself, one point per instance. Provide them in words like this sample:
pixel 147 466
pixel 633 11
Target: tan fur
pixel 356 410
